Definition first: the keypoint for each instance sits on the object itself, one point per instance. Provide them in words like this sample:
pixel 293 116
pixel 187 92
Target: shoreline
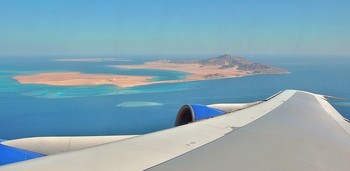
pixel 80 79
pixel 196 73
pixel 201 72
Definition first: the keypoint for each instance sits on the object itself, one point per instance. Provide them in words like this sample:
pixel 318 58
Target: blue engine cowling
pixel 194 112
pixel 12 155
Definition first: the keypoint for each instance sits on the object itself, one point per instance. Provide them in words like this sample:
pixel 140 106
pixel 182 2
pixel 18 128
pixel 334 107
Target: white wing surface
pixel 293 130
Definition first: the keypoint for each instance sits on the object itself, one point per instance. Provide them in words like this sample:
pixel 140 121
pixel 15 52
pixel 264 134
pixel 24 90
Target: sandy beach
pixel 79 79
pixel 197 71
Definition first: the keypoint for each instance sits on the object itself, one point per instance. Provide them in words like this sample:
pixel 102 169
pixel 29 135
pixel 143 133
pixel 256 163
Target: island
pixel 224 66
pixel 80 79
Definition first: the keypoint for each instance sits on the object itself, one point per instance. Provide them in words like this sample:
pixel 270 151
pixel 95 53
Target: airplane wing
pixel 292 130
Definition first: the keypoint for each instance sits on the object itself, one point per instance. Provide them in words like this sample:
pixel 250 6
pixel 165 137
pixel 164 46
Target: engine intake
pixel 194 112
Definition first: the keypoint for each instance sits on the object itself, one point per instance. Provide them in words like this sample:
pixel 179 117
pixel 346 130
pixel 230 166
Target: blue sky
pixel 178 27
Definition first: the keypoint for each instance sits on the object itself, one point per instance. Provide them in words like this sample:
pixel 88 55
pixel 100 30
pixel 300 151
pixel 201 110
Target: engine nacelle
pixel 195 112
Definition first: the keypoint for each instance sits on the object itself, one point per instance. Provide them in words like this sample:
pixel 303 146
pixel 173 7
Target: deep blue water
pixel 41 110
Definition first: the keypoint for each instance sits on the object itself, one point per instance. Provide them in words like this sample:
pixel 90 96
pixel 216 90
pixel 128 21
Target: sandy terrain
pixel 76 78
pixel 198 71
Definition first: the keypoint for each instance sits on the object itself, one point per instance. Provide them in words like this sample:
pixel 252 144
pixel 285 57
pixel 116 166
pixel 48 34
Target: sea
pixel 28 110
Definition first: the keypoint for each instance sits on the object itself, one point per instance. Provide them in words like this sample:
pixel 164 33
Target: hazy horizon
pixel 161 28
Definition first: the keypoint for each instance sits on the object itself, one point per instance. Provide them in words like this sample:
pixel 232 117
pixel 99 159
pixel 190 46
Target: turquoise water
pixel 41 110
pixel 8 84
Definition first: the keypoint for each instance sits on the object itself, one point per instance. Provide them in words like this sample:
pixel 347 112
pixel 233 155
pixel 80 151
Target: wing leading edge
pixel 293 130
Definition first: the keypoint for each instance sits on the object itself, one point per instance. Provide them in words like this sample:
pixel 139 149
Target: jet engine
pixel 195 112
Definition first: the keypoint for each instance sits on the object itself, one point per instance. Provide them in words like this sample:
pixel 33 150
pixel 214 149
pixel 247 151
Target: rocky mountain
pixel 229 61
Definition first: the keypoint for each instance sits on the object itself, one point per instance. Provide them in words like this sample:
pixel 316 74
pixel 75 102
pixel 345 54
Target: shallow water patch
pixel 138 104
